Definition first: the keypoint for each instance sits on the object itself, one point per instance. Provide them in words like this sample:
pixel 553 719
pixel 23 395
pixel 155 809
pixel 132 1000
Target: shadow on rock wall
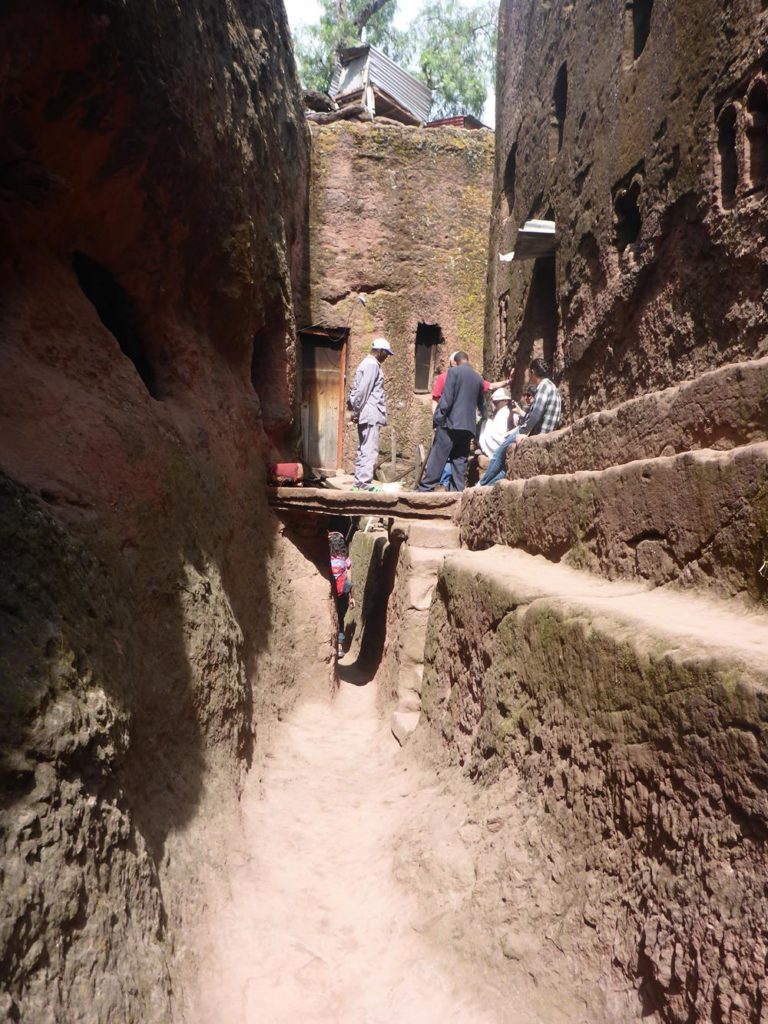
pixel 152 171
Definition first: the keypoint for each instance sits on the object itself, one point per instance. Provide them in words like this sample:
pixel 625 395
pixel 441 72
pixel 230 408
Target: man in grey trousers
pixel 369 411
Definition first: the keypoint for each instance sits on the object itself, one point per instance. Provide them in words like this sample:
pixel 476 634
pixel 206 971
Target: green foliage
pixel 456 54
pixel 451 46
pixel 341 25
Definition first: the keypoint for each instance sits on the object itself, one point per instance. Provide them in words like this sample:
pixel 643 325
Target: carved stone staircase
pixel 600 648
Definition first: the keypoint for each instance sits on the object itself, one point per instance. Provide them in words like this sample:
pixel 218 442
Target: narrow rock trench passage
pixel 316 927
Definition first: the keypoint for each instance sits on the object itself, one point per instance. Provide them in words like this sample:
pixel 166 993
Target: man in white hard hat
pixel 369 411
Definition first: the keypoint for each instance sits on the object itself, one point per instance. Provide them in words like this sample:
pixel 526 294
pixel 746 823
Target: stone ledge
pixel 721 409
pixel 698 520
pixel 682 626
pixel 325 501
pixel 629 727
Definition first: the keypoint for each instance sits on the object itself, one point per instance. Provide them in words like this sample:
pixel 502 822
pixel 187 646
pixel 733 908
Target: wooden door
pixel 322 398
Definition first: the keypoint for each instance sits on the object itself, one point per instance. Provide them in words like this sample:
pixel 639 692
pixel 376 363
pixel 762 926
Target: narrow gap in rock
pixel 627 215
pixel 757 108
pixel 510 170
pixel 538 335
pixel 559 110
pixel 117 312
pixel 729 164
pixel 641 25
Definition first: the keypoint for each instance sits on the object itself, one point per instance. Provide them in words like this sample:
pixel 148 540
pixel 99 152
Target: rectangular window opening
pixel 429 337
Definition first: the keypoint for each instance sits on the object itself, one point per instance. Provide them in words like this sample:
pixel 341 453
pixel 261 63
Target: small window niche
pixel 429 337
pixel 118 313
pixel 637 28
pixel 727 151
pixel 757 134
pixel 559 109
pixel 510 170
pixel 627 217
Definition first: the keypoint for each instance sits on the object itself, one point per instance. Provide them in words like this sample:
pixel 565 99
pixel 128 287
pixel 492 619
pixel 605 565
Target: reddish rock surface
pixel 637 130
pixel 618 738
pixel 152 174
pixel 698 520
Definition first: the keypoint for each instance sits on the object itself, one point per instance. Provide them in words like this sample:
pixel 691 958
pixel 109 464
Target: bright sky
pixel 305 12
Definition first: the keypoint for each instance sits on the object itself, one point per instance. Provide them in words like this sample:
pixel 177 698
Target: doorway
pixel 323 361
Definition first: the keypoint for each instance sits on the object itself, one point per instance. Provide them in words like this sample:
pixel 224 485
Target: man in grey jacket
pixel 455 420
pixel 369 410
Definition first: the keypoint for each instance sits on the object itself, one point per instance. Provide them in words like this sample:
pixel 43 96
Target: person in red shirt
pixel 341 571
pixel 437 391
pixel 439 383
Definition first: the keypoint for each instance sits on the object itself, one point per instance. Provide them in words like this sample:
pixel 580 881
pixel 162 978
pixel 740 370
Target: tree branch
pixel 371 8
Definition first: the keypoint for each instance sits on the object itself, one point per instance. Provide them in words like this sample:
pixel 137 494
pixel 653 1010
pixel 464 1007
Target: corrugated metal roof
pixel 459 121
pixel 385 75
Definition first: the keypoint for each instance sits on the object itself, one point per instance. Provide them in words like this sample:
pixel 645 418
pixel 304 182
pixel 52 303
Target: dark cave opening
pixel 729 164
pixel 117 312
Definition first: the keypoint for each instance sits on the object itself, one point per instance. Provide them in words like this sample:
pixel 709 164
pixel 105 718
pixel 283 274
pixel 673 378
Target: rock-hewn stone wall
pixel 624 778
pixel 152 181
pixel 639 128
pixel 399 216
pixel 699 519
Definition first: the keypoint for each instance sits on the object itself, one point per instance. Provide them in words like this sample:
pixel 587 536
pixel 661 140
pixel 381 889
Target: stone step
pixel 699 519
pixel 722 409
pixel 427 533
pixel 629 728
pixel 685 623
pixel 403 724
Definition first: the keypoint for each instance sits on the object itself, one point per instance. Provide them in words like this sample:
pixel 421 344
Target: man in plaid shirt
pixel 544 415
pixel 542 418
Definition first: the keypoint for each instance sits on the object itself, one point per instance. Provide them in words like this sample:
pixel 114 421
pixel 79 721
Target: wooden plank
pixel 401 504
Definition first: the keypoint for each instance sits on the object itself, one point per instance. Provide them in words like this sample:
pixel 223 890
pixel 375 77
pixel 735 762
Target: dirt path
pixel 319 930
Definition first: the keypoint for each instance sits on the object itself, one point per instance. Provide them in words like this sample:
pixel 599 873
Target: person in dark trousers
pixel 455 420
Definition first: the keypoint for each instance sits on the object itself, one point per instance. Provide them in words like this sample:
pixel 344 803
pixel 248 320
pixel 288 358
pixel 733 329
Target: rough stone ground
pixel 350 863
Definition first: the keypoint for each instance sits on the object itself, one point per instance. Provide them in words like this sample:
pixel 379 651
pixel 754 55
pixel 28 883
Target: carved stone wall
pixel 640 128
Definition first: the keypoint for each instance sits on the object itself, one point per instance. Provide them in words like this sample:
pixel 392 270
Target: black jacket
pixel 462 398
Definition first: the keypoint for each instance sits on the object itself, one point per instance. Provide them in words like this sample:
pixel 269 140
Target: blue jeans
pixel 450 446
pixel 497 466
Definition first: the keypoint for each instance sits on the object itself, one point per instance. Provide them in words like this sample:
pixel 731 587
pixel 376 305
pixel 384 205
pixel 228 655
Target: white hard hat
pixel 501 395
pixel 381 345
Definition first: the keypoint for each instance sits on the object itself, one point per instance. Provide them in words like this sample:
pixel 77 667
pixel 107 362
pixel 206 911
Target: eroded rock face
pixel 640 131
pixel 622 774
pixel 152 182
pixel 699 519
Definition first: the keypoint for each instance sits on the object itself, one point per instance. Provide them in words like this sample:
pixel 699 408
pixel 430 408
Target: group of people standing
pixel 459 418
